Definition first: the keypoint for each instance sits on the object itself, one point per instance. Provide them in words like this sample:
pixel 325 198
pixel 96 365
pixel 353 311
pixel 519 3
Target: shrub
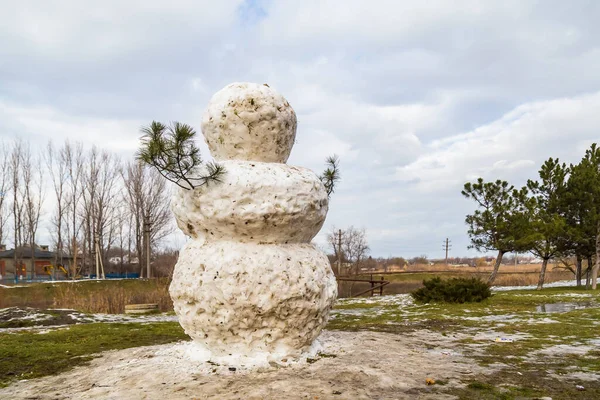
pixel 455 290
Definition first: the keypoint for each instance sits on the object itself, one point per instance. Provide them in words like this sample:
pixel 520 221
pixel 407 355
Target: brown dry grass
pixel 111 297
pixel 408 281
pixel 486 268
pixel 524 279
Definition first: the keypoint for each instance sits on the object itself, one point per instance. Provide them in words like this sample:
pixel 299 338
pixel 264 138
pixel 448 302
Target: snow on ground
pixel 15 319
pixel 400 300
pixel 124 318
pixel 530 287
pixel 354 365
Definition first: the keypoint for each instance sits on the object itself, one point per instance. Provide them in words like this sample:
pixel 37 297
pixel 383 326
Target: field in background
pixel 111 296
pixel 486 268
pixel 412 278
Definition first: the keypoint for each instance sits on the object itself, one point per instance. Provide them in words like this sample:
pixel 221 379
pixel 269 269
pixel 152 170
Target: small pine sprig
pixel 172 151
pixel 331 175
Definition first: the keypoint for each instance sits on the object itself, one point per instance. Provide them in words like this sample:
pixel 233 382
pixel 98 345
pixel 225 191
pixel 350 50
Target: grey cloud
pixel 416 97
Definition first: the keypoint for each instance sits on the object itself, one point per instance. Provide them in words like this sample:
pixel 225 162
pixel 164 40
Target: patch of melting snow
pixel 582 376
pixel 352 311
pixel 403 300
pixel 22 314
pixel 55 318
pixel 40 329
pixel 131 319
pixel 401 304
pixel 554 295
pixel 562 349
pixel 493 335
pixel 544 320
pixel 547 285
pixel 495 318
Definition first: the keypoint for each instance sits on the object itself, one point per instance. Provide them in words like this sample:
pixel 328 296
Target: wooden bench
pixel 140 308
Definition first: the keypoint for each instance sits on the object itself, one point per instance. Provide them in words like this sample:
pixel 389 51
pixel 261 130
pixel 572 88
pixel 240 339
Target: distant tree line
pixel 99 204
pixel 554 217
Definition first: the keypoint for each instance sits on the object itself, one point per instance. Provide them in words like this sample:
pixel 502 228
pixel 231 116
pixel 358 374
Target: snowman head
pixel 251 122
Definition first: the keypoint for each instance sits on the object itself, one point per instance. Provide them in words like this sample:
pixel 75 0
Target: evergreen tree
pixel 590 165
pixel 547 227
pixel 579 211
pixel 499 222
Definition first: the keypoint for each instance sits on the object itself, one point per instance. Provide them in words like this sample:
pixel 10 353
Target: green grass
pixel 486 391
pixel 27 355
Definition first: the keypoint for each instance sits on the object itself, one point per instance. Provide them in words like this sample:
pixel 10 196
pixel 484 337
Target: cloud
pixel 517 142
pixel 415 97
pixel 40 124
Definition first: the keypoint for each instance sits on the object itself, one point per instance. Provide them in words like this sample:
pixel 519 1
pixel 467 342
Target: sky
pixel 415 97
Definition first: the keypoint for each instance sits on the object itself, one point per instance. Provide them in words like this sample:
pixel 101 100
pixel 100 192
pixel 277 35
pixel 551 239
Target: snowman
pixel 249 287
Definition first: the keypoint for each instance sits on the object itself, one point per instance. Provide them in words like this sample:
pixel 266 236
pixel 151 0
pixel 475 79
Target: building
pixel 44 260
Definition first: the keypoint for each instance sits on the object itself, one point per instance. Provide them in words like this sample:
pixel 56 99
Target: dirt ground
pixel 352 365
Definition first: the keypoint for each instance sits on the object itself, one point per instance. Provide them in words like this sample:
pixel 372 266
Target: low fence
pixel 375 286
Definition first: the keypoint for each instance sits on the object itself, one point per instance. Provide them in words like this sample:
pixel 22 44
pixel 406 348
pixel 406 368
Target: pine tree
pixel 547 226
pixel 578 209
pixel 499 222
pixel 591 165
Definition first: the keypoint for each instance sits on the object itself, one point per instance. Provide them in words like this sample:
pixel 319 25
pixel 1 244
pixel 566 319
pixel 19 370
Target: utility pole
pixel 147 239
pixel 96 256
pixel 74 261
pixel 447 247
pixel 339 260
pixel 99 263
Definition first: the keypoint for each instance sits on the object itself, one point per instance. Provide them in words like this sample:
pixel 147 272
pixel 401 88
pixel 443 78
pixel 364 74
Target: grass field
pixel 111 296
pixel 29 354
pixel 406 282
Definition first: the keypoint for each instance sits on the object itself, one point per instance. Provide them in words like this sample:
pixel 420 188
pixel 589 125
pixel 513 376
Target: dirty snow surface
pixel 352 365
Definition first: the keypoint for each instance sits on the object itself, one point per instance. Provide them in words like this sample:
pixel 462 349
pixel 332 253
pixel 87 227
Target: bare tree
pixel 351 247
pixel 16 155
pixel 107 202
pixel 5 176
pixel 122 220
pixel 133 178
pixel 148 200
pixel 99 203
pixel 33 189
pixel 57 165
pixel 74 160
